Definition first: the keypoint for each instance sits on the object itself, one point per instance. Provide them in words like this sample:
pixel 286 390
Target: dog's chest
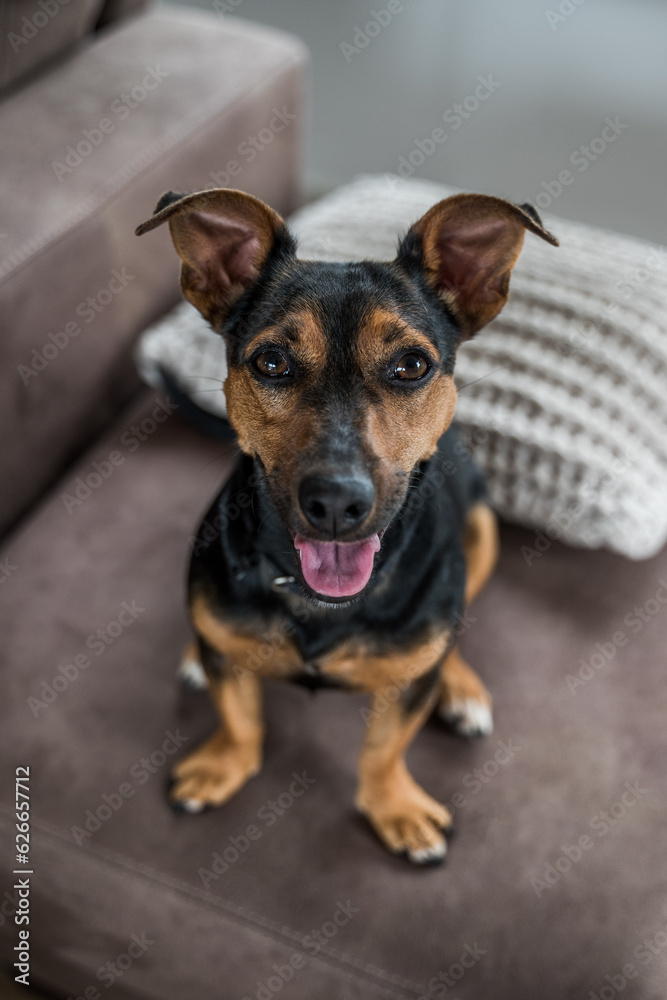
pixel 356 659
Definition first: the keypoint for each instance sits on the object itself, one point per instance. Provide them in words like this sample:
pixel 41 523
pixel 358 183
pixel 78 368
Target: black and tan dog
pixel 361 530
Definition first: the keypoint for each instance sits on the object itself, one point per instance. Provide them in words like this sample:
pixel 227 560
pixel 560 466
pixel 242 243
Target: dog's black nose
pixel 336 505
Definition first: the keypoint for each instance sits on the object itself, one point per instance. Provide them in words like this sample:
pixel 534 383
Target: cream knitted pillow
pixel 563 398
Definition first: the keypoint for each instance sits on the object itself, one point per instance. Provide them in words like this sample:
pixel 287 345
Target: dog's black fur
pixel 243 547
pixel 339 374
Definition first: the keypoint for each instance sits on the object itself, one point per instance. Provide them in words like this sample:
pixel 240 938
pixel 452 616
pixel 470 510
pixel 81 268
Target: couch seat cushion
pixel 557 878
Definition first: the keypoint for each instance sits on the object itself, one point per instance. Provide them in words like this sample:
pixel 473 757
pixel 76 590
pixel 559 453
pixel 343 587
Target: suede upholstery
pixel 201 87
pixel 32 34
pixel 298 859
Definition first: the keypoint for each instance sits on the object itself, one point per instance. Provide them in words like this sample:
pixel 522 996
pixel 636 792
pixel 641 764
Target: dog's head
pixel 340 376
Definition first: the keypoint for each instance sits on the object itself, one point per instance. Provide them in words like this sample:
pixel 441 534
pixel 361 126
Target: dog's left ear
pixel 224 238
pixel 466 247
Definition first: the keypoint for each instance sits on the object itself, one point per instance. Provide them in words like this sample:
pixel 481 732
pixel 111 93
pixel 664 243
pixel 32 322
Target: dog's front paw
pixel 212 773
pixel 408 821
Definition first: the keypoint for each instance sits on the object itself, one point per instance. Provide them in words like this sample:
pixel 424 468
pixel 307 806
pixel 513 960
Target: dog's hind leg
pixel 465 703
pixel 191 673
pixel 480 545
pixel 218 768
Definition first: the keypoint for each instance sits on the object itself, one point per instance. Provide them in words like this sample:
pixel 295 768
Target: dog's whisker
pixel 481 378
pixel 223 454
pixel 209 378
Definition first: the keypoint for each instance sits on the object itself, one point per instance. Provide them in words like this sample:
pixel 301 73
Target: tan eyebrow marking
pixel 386 327
pixel 303 331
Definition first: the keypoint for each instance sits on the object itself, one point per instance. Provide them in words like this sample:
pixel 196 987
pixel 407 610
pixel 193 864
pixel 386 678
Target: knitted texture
pixel 562 399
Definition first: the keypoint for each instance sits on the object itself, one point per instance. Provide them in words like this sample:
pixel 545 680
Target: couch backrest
pixel 33 32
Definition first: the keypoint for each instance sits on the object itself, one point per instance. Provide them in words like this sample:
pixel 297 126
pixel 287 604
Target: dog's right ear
pixel 224 238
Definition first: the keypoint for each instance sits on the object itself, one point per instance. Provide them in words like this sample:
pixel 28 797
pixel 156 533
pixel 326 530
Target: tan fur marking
pixel 306 340
pixel 268 423
pixel 372 344
pixel 460 683
pixel 480 544
pixel 352 664
pixel 265 654
pixel 218 768
pixel 404 817
pixel 190 652
pixel 402 430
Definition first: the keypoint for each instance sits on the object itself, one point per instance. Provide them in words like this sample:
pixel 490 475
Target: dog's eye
pixel 272 364
pixel 411 366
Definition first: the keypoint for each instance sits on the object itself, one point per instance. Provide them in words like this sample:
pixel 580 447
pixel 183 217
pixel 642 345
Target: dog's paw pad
pixel 468 717
pixel 192 675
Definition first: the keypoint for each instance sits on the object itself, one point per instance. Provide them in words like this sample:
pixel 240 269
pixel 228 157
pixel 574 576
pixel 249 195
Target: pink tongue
pixel 337 569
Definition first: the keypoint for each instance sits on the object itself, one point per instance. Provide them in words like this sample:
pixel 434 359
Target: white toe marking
pixel 192 675
pixel 192 806
pixel 469 717
pixel 423 855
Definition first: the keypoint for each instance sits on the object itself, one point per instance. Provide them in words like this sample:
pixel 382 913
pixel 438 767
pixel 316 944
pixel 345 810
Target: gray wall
pixel 556 79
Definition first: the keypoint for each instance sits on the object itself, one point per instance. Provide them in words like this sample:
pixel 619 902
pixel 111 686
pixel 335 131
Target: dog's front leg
pixel 405 818
pixel 217 769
